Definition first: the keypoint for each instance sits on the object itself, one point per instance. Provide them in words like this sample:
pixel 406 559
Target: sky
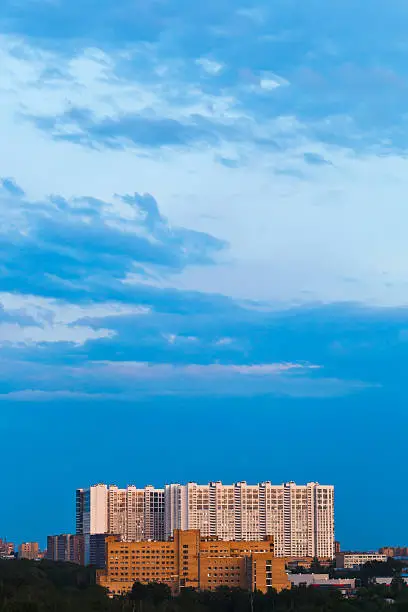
pixel 203 253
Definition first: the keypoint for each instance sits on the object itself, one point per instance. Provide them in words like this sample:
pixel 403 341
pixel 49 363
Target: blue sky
pixel 202 256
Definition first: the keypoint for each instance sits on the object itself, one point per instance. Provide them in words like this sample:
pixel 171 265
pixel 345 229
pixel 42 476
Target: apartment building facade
pixel 134 514
pixel 299 517
pixel 66 547
pixel 190 561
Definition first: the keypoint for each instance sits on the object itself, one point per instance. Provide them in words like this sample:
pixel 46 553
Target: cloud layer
pixel 265 150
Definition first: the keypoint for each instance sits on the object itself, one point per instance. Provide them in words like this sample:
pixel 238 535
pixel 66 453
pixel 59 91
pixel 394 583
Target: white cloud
pixel 12 334
pixel 44 310
pixel 270 81
pixel 55 320
pixel 135 369
pixel 224 342
pixel 210 66
pixel 174 338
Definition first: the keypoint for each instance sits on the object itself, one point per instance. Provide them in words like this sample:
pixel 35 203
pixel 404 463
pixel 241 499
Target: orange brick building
pixel 190 561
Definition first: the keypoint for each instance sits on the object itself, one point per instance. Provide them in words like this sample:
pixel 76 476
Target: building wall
pixel 188 561
pixel 130 562
pixel 97 550
pixel 135 515
pixel 267 572
pixel 222 571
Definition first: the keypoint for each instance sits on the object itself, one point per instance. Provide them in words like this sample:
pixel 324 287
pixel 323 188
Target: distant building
pixel 322 581
pixel 387 580
pixel 29 550
pixel 188 561
pixel 6 549
pixel 350 560
pixel 394 551
pixel 337 547
pixel 66 547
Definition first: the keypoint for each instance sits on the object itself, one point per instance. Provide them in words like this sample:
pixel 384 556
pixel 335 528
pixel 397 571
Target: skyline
pixel 166 489
pixel 369 509
pixel 202 252
pixel 299 517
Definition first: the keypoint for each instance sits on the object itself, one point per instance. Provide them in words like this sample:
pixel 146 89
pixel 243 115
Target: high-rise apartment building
pixel 300 518
pixel 92 510
pixel 131 513
pixel 189 561
pixel 92 515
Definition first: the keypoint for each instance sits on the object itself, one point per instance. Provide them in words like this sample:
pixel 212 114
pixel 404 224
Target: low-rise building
pixel 387 580
pixel 323 581
pixel 190 561
pixel 29 550
pixel 350 560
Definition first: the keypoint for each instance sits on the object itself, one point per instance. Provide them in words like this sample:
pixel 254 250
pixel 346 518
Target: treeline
pixel 27 586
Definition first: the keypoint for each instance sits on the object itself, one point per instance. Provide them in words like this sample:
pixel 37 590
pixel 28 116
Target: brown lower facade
pixel 190 561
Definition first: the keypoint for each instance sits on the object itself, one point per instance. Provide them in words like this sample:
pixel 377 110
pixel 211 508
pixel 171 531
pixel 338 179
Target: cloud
pixel 16 335
pixel 314 159
pixel 210 66
pixel 84 249
pixel 10 186
pixel 304 352
pixel 80 127
pixel 15 316
pixel 132 381
pixel 270 81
